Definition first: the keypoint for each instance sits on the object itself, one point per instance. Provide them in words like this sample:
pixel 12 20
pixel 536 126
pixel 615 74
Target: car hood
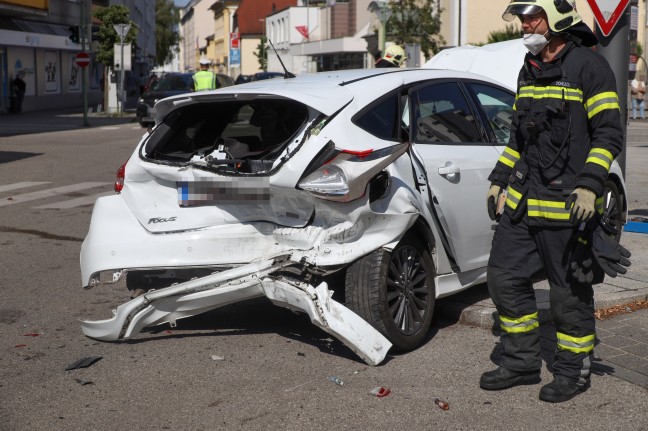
pixel 486 60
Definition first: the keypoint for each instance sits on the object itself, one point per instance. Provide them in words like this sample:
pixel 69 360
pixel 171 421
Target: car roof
pixel 326 92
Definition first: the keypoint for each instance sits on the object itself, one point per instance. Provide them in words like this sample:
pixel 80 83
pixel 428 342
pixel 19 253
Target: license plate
pixel 224 191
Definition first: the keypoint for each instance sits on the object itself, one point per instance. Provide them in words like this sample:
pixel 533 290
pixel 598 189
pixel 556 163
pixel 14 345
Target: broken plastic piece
pixel 217 358
pixel 380 391
pixel 21 345
pixel 32 334
pixel 338 381
pixel 83 362
pixel 442 404
pixel 84 382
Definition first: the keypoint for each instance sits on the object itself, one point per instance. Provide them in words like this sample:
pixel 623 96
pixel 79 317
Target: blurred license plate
pixel 224 191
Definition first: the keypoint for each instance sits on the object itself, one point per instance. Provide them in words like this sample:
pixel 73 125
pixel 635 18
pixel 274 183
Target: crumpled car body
pixel 280 188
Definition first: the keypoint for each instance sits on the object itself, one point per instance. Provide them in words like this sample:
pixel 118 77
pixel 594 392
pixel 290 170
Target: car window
pixel 442 114
pixel 498 107
pixel 381 119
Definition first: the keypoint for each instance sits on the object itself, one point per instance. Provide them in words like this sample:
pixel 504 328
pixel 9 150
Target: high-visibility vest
pixel 204 80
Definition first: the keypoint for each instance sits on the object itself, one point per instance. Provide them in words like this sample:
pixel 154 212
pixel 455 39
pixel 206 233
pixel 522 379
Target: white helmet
pixel 395 54
pixel 561 14
pixel 204 61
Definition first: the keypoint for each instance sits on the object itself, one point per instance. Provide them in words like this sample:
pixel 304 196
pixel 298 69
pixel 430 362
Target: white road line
pixel 109 128
pixel 48 193
pixel 15 186
pixel 73 203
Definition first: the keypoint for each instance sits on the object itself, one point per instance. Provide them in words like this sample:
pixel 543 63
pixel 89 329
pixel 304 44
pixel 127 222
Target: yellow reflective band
pixel 509 157
pixel 582 241
pixel 601 102
pixel 601 157
pixel 599 205
pixel 576 344
pixel 512 197
pixel 552 210
pixel 521 324
pixel 552 92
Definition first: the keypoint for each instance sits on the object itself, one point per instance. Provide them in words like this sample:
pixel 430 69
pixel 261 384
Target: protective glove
pixel 611 256
pixel 491 201
pixel 580 266
pixel 581 202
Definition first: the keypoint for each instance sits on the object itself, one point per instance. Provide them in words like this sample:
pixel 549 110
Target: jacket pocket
pixel 516 198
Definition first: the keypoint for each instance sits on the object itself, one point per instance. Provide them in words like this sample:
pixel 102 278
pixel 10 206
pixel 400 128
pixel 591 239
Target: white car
pixel 355 196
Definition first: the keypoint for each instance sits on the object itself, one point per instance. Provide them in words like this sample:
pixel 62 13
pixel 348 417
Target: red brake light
pixel 121 173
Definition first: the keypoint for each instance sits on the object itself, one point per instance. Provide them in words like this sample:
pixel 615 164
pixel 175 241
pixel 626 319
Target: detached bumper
pixel 238 284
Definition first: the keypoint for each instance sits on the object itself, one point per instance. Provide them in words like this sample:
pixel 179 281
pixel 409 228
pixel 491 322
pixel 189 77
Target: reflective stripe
pixel 552 210
pixel 512 197
pixel 521 324
pixel 600 157
pixel 576 344
pixel 600 208
pixel 552 92
pixel 204 80
pixel 600 102
pixel 509 157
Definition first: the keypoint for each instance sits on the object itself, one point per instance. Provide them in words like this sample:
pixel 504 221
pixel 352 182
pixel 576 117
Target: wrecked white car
pixel 274 188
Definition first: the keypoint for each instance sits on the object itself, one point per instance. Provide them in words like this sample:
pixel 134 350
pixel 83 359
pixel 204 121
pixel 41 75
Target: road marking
pixel 110 128
pixel 73 203
pixel 22 185
pixel 48 193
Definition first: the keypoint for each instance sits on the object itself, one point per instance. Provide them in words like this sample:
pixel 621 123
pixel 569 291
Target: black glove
pixel 611 256
pixel 580 265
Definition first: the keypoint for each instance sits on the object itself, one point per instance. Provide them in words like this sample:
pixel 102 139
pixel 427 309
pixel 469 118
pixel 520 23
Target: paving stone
pixel 606 352
pixel 619 341
pixel 640 350
pixel 631 362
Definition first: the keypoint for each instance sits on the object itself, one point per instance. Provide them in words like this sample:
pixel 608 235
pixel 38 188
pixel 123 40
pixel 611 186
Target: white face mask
pixel 534 42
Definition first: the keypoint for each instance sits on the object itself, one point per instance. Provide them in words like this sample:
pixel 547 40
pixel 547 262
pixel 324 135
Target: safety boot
pixel 503 378
pixel 562 389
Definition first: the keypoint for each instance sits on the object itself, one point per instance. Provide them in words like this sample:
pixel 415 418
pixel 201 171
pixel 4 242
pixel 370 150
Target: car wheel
pixel 613 205
pixel 394 292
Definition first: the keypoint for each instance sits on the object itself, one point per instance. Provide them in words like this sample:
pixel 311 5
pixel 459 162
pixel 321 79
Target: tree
pixel 108 37
pixel 509 33
pixel 262 53
pixel 167 18
pixel 416 21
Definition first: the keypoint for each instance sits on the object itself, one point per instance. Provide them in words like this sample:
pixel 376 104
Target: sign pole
pixel 84 71
pixel 616 50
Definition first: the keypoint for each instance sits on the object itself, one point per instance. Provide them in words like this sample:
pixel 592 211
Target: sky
pixel 181 3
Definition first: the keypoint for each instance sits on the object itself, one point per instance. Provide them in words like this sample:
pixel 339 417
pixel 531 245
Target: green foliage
pixel 262 53
pixel 107 36
pixel 509 33
pixel 167 18
pixel 639 49
pixel 416 21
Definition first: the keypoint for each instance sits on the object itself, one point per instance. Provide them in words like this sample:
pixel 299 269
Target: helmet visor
pixel 516 9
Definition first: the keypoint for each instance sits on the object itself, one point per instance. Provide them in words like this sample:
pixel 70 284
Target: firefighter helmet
pixel 395 54
pixel 561 14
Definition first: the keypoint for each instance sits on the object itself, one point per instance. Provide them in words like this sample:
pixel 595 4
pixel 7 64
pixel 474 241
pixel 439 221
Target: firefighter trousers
pixel 520 256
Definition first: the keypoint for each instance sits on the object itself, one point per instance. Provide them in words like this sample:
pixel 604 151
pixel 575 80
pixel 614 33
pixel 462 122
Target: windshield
pixel 174 83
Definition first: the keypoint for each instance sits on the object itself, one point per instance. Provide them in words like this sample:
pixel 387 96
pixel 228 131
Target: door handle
pixel 449 169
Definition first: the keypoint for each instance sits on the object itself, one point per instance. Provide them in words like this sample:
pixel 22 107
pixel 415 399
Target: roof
pixel 251 14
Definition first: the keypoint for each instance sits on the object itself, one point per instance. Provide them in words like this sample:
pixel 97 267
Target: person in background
pixel 19 89
pixel 204 79
pixel 394 56
pixel 638 91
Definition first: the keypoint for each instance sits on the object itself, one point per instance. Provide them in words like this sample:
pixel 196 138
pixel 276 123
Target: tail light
pixel 121 174
pixel 345 177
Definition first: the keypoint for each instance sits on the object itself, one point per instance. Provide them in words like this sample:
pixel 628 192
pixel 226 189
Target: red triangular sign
pixel 303 30
pixel 607 13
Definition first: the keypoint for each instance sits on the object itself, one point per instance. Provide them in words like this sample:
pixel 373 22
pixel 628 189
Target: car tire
pixel 384 288
pixel 610 190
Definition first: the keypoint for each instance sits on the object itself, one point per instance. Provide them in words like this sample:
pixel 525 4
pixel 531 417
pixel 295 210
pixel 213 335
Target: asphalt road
pixel 275 367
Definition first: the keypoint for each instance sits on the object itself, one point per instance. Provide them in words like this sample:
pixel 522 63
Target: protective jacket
pixel 566 133
pixel 204 80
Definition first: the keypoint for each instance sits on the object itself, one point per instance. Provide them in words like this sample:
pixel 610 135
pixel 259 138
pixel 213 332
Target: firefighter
pixel 566 133
pixel 394 56
pixel 204 79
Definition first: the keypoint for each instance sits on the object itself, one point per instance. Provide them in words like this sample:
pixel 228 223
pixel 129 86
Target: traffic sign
pixel 607 13
pixel 82 59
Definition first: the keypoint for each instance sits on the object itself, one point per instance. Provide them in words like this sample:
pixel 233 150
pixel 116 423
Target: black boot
pixel 502 378
pixel 562 389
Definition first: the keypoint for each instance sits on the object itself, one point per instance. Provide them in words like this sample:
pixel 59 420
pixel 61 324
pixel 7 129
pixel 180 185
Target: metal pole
pixel 84 70
pixel 616 50
pixel 121 79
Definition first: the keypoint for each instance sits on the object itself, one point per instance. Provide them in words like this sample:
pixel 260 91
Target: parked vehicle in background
pixel 168 85
pixel 242 79
pixel 259 76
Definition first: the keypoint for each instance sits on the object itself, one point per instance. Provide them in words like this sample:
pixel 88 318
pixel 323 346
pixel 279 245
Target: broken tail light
pixel 345 177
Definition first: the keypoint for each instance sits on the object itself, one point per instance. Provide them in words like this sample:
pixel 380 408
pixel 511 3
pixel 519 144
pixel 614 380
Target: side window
pixel 381 119
pixel 442 114
pixel 498 107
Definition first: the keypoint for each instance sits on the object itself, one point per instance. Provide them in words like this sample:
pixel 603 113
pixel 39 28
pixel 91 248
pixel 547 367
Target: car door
pixel 447 134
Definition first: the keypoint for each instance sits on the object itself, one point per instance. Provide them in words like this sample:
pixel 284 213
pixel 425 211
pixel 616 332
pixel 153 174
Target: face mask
pixel 534 42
